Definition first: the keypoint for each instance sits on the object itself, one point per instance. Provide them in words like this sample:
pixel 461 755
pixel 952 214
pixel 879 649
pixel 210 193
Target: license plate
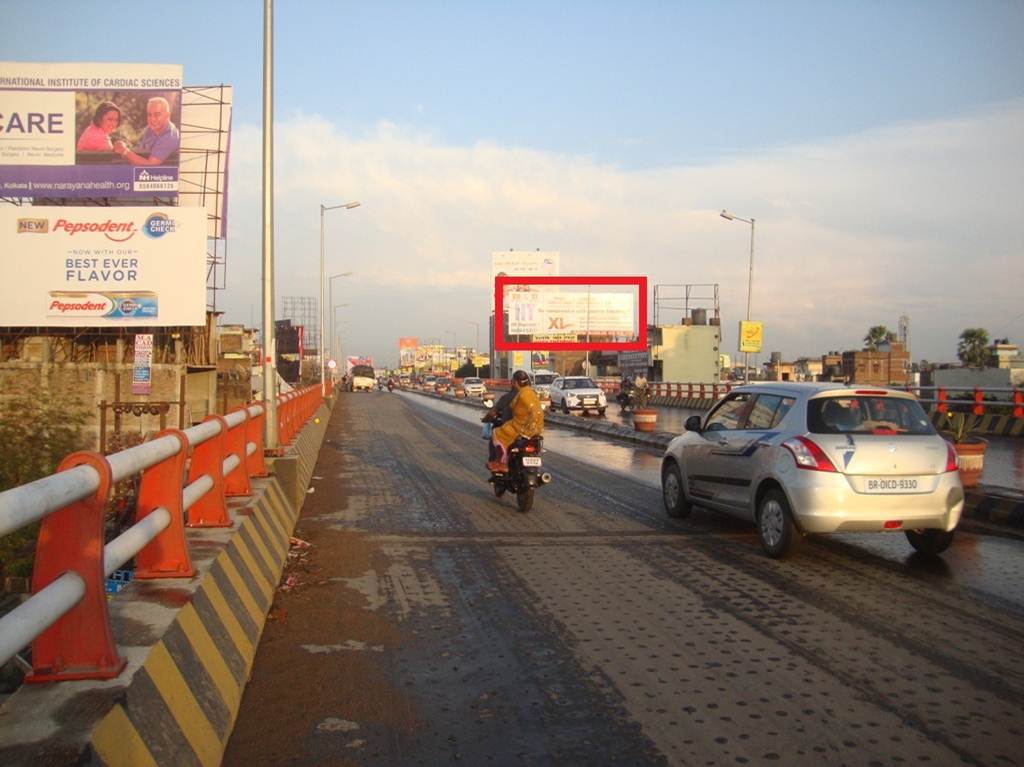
pixel 888 485
pixel 531 460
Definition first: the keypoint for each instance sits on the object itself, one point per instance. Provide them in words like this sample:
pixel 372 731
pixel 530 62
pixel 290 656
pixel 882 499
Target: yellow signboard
pixel 751 336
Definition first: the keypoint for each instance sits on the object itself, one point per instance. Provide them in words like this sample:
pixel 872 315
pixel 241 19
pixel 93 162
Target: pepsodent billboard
pixel 102 267
pixel 89 130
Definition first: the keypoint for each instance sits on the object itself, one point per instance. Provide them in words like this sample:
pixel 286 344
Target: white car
pixel 808 458
pixel 541 381
pixel 577 393
pixel 473 387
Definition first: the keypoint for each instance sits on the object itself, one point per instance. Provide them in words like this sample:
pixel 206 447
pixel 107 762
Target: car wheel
pixel 600 411
pixel 775 526
pixel 565 408
pixel 930 541
pixel 676 504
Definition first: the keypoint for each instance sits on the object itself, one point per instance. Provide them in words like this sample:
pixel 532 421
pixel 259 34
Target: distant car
pixel 542 380
pixel 577 393
pixel 427 384
pixel 473 387
pixel 808 458
pixel 362 378
pixel 442 384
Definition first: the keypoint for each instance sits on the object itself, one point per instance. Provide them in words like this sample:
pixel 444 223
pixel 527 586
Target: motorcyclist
pixel 625 394
pixel 496 415
pixel 527 420
pixel 391 384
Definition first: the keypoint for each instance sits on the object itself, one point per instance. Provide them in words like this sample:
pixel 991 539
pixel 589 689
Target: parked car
pixel 577 393
pixel 808 458
pixel 473 387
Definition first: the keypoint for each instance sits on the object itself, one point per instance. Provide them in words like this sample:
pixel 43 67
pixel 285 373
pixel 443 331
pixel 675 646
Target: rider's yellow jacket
pixel 527 418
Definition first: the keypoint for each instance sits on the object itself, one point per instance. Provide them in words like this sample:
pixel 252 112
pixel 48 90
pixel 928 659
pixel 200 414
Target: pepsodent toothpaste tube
pixel 114 305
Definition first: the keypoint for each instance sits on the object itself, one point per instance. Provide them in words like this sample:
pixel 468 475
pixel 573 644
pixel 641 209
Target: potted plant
pixel 970 448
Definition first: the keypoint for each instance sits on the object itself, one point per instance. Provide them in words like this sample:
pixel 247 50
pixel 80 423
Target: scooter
pixel 627 400
pixel 524 473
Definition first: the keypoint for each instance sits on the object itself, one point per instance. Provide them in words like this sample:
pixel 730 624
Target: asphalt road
pixel 432 623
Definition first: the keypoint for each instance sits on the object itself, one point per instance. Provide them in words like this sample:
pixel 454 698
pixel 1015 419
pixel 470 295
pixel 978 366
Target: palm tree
pixel 877 334
pixel 973 347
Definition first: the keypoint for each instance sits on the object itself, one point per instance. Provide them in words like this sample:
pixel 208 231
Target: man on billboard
pixel 159 140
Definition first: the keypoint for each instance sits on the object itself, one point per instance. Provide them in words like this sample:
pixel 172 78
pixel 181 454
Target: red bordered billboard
pixel 634 287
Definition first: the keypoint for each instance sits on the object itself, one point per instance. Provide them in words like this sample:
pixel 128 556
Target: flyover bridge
pixel 371 602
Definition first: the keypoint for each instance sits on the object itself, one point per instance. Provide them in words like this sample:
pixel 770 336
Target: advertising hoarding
pixel 142 369
pixel 751 336
pixel 102 267
pixel 407 352
pixel 535 313
pixel 351 362
pixel 89 129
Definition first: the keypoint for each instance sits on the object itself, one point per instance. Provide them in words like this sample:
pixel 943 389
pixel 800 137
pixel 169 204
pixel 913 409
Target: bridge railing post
pixel 79 644
pixel 166 556
pixel 211 510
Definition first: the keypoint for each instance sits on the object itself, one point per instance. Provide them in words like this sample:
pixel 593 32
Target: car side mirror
pixel 693 423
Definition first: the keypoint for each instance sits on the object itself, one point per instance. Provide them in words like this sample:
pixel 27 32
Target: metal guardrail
pixel 65 620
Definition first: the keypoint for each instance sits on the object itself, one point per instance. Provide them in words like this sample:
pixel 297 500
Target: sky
pixel 878 146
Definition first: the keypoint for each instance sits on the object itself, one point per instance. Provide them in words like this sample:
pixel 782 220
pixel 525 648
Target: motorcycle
pixel 627 400
pixel 391 386
pixel 524 472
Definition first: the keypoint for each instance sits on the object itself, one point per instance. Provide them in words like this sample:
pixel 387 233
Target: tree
pixel 877 334
pixel 973 347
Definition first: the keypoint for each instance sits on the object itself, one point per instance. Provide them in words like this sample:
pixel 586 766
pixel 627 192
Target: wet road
pixel 435 624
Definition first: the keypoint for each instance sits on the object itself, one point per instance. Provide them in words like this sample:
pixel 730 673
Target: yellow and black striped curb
pixel 992 425
pixel 190 645
pixel 1005 510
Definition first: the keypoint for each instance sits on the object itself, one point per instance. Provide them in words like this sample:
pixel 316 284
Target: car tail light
pixel 950 457
pixel 872 392
pixel 892 524
pixel 808 455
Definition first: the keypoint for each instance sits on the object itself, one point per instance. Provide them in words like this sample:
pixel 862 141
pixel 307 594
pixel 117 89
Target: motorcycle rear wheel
pixel 524 499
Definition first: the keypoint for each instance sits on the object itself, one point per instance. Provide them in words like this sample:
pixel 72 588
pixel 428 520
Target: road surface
pixel 432 623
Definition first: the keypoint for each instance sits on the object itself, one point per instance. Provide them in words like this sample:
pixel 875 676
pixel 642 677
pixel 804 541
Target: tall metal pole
pixel 323 382
pixel 476 349
pixel 269 341
pixel 750 290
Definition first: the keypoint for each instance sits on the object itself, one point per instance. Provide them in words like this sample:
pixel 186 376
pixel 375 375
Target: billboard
pixel 102 267
pixel 407 352
pixel 570 313
pixel 751 336
pixel 89 130
pixel 351 362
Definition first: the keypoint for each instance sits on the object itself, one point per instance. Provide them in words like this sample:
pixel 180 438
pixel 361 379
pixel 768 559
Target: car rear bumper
pixel 830 505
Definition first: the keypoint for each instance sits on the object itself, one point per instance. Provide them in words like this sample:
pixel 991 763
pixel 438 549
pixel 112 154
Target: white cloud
pixel 920 219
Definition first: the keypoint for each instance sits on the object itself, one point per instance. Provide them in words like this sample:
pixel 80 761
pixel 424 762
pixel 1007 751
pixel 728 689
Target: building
pixel 686 353
pixel 889 364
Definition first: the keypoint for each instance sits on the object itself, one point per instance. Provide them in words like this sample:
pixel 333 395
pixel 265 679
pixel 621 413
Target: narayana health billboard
pixel 89 130
pixel 102 266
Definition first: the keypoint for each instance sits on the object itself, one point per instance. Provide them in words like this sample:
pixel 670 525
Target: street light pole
pixel 476 349
pixel 330 291
pixel 750 281
pixel 324 209
pixel 270 435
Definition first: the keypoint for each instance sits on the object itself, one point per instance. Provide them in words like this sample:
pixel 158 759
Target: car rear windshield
pixel 543 378
pixel 580 383
pixel 867 414
pixel 363 371
pixel 472 381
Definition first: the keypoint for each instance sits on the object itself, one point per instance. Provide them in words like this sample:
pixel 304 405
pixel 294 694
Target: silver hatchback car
pixel 807 458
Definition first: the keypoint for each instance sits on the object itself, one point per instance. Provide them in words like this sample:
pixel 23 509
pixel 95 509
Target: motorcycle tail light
pixel 531 448
pixel 808 455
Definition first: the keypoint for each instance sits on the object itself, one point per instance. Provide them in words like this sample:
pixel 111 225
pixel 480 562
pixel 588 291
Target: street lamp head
pixel 350 205
pixel 727 215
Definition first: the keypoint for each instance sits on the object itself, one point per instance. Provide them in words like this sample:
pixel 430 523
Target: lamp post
pixel 335 352
pixel 476 349
pixel 330 291
pixel 750 281
pixel 324 209
pixel 455 346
